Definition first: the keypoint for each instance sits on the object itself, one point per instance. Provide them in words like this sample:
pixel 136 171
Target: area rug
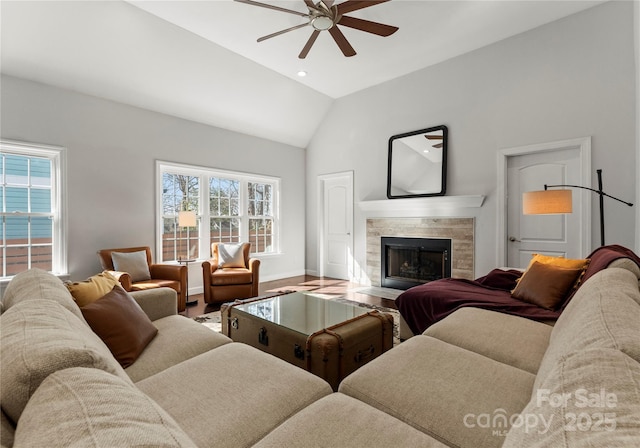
pixel 214 322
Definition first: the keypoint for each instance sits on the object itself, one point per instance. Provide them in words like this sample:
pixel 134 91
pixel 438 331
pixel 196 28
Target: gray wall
pixel 111 156
pixel 572 78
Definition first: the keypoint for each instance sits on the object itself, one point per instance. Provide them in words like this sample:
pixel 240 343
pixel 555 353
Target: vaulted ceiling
pixel 199 60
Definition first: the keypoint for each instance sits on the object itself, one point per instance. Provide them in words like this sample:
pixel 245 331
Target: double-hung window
pixel 229 207
pixel 31 185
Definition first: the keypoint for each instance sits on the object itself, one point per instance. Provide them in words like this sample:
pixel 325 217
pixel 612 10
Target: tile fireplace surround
pixel 460 230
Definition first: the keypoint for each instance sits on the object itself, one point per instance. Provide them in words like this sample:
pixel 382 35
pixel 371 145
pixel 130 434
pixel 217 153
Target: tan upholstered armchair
pixel 143 274
pixel 231 281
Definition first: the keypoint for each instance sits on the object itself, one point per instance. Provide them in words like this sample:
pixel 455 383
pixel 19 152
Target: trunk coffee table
pixel 328 338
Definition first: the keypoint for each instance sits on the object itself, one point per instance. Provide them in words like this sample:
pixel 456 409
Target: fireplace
pixel 408 262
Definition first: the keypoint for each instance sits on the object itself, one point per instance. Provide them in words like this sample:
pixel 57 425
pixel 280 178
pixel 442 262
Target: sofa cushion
pixel 89 407
pixel 234 276
pixel 178 339
pixel 341 421
pixel 92 288
pixel 512 340
pixel 133 263
pixel 442 390
pixel 36 284
pixel 7 431
pixel 38 338
pixel 234 395
pixel 604 313
pixel 121 324
pixel 590 398
pixel 546 285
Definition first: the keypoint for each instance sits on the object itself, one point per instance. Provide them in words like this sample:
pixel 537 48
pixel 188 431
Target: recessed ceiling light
pixel 302 73
pixel 425 151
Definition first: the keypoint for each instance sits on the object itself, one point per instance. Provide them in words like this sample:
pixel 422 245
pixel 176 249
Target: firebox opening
pixel 408 262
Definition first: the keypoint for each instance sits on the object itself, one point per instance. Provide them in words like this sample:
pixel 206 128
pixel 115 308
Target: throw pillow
pixel 92 288
pixel 231 255
pixel 134 263
pixel 121 324
pixel 561 262
pixel 546 285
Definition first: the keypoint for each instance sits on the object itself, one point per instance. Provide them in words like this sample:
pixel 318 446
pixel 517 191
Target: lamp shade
pixel 187 219
pixel 546 202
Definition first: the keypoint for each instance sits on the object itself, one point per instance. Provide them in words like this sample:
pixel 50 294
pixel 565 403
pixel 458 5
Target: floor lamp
pixel 187 219
pixel 547 202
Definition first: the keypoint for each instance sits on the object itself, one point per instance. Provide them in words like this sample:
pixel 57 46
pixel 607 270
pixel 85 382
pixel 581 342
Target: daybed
pixel 461 384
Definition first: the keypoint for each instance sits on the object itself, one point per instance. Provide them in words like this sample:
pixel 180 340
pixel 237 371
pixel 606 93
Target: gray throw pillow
pixel 134 263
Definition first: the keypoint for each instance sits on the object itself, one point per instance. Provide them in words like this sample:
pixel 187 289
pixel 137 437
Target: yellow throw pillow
pixel 560 262
pixel 92 288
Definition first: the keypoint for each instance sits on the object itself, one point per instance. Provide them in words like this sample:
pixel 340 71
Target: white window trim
pixel 204 216
pixel 58 157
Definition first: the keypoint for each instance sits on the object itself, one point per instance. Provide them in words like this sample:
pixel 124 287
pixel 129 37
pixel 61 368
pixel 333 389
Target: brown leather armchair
pixel 162 275
pixel 224 284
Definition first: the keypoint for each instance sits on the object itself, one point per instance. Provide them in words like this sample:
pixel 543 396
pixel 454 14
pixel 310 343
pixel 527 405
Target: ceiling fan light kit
pixel 324 16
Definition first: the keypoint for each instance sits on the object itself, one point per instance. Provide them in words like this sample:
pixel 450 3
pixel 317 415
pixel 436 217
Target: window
pixel 230 207
pixel 32 233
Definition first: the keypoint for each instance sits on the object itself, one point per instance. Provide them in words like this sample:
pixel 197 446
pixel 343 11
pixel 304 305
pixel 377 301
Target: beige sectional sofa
pixel 475 379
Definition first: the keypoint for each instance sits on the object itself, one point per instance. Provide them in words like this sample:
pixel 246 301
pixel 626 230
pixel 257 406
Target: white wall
pixel 112 149
pixel 571 78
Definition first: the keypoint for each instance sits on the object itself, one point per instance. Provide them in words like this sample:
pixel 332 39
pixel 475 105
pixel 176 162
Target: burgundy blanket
pixel 424 305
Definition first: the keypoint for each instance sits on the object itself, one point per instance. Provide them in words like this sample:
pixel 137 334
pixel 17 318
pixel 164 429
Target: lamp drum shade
pixel 546 202
pixel 187 219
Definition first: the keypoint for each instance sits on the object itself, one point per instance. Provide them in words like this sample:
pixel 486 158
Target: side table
pixel 186 262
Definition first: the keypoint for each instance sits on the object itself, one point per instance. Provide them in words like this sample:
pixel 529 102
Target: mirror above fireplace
pixel 417 164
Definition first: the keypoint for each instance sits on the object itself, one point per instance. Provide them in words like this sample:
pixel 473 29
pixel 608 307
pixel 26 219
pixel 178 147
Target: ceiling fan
pixel 435 137
pixel 324 15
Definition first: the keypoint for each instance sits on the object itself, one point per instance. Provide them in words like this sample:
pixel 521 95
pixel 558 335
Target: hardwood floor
pixel 321 285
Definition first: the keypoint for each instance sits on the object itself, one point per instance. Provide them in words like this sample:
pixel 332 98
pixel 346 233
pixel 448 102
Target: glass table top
pixel 303 312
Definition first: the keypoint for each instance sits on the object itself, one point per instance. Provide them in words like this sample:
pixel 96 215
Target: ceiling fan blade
pixel 305 51
pixel 438 145
pixel 433 137
pixel 342 42
pixel 277 33
pixel 354 5
pixel 370 27
pixel 276 8
pixel 310 4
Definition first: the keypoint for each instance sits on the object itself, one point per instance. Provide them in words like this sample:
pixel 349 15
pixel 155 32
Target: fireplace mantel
pixel 424 204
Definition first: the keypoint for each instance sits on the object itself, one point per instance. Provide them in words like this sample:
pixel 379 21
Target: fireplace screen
pixel 408 262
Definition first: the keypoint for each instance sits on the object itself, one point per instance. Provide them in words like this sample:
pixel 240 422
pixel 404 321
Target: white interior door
pixel 557 235
pixel 337 225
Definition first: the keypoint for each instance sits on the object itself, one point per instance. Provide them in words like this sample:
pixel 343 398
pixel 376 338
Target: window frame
pixel 204 215
pixel 59 240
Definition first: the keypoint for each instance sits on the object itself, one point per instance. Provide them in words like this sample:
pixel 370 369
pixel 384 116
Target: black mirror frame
pixel 445 140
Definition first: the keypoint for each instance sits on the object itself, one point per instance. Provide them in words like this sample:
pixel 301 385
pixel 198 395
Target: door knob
pixel 513 239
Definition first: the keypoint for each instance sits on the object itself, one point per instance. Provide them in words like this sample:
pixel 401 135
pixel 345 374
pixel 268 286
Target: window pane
pixel 17 259
pixel 225 230
pixel 41 230
pixel 40 172
pixel 17 170
pixel 17 199
pixel 261 235
pixel 17 229
pixel 40 200
pixel 41 257
pixel 223 197
pixel 169 226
